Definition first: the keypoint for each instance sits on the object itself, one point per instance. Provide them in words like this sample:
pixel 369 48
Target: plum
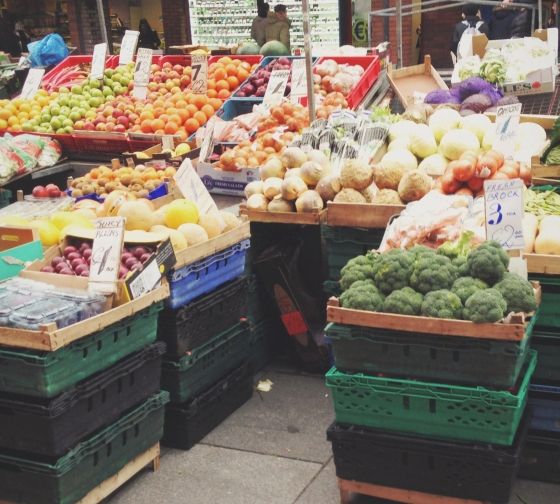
pixel 145 257
pixel 242 94
pixel 249 89
pixel 86 253
pixel 259 82
pixel 66 271
pixel 69 250
pixel 261 91
pixel 84 246
pixel 123 272
pixel 136 266
pixel 61 266
pixel 77 262
pixel 131 261
pixel 81 269
pixel 126 256
pixel 84 273
pixel 57 260
pixel 47 269
pixel 138 252
pixel 73 255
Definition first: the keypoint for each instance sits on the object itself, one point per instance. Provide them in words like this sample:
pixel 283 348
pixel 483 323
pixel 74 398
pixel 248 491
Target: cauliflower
pixel 488 262
pixel 349 196
pixel 362 295
pixel 486 305
pixel 465 287
pixel 414 185
pixel 432 273
pixel 405 301
pixel 393 271
pixel 356 174
pixel 387 197
pixel 442 304
pixel 359 268
pixel 518 293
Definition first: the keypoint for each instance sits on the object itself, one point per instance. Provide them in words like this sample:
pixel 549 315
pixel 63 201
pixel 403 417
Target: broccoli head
pixel 518 293
pixel 465 287
pixel 461 264
pixel 393 271
pixel 362 295
pixel 432 273
pixel 405 301
pixel 419 251
pixel 359 268
pixel 442 304
pixel 488 262
pixel 486 305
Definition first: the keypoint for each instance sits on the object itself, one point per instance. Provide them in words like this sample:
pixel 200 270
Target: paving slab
pixel 323 489
pixel 290 421
pixel 211 475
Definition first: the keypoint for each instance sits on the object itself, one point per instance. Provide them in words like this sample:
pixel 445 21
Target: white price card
pixel 192 188
pixel 507 128
pixel 503 204
pixel 276 88
pixel 142 73
pixel 208 140
pixel 98 61
pixel 32 83
pixel 299 81
pixel 199 65
pixel 106 254
pixel 167 142
pixel 128 46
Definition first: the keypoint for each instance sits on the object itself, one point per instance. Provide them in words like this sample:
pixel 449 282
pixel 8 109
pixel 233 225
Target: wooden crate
pixel 363 215
pixel 543 264
pixel 512 329
pixel 308 219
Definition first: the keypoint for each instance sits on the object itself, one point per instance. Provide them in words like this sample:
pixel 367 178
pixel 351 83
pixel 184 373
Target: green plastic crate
pixel 549 312
pixel 344 243
pixel 5 197
pixel 205 365
pixel 46 374
pixel 547 344
pixel 88 464
pixel 430 409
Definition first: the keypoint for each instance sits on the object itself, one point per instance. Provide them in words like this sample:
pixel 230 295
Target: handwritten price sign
pixel 276 87
pixel 199 65
pixel 503 200
pixel 106 254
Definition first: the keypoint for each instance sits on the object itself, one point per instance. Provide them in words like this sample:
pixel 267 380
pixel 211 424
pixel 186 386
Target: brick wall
pixel 437 31
pixel 83 21
pixel 378 32
pixel 176 24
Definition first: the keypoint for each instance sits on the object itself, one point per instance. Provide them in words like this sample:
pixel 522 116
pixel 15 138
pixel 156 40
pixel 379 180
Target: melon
pixel 193 233
pixel 248 48
pixel 179 212
pixel 137 214
pixel 274 48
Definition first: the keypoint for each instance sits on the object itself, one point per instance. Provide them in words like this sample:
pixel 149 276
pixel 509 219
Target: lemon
pixel 49 234
pixel 179 212
pixel 182 149
pixel 14 220
pixel 64 219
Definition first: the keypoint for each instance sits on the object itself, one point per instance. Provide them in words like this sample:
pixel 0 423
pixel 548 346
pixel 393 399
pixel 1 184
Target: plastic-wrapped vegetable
pixel 477 103
pixel 439 96
pixel 474 85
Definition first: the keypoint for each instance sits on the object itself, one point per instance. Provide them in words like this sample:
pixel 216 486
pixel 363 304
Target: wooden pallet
pixel 362 215
pixel 306 219
pixel 347 488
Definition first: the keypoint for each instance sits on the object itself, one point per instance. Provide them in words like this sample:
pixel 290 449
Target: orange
pixel 220 73
pixel 158 112
pixel 200 118
pixel 226 60
pixel 158 124
pixel 164 117
pixel 183 114
pixel 216 103
pixel 211 84
pixel 212 93
pixel 233 82
pixel 171 128
pixel 224 94
pixel 3 124
pixel 245 65
pixel 192 109
pixel 146 126
pixel 242 74
pixel 12 121
pixel 5 114
pixel 192 125
pixel 182 133
pixel 159 132
pixel 222 84
pixel 231 69
pixel 175 118
pixel 171 110
pixel 208 111
pixel 180 104
pixel 199 101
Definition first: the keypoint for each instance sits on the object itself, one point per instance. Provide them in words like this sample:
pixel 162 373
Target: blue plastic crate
pixel 236 107
pixel 204 276
pixel 544 401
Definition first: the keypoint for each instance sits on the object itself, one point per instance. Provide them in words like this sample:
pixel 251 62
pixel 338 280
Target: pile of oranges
pixel 225 76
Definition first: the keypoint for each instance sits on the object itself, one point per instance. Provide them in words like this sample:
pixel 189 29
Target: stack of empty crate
pixel 80 404
pixel 208 368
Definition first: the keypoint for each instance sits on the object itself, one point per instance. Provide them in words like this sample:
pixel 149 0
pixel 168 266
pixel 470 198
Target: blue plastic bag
pixel 50 50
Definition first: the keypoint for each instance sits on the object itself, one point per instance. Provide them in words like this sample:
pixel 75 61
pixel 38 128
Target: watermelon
pixel 248 48
pixel 274 48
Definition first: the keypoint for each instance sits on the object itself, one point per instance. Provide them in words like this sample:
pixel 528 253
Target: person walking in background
pixel 278 27
pixel 470 25
pixel 148 38
pixel 521 22
pixel 500 22
pixel 258 28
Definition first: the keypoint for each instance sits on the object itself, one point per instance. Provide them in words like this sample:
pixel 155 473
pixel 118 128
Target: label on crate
pixel 142 73
pixel 106 254
pixel 276 87
pixel 32 83
pixel 199 65
pixel 507 128
pixel 128 46
pixel 192 188
pixel 299 82
pixel 98 61
pixel 503 204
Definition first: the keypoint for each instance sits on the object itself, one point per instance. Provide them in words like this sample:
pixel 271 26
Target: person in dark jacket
pixel 521 23
pixel 148 38
pixel 471 19
pixel 500 22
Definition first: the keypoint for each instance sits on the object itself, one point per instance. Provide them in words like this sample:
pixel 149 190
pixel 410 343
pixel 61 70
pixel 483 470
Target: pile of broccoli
pixel 453 282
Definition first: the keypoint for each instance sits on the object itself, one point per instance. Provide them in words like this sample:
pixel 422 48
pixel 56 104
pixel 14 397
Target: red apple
pixel 119 128
pixel 54 192
pixel 39 192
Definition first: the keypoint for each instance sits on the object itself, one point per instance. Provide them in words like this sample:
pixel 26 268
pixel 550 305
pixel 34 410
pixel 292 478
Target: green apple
pixel 109 72
pixel 95 102
pixel 67 123
pixel 45 117
pixel 60 131
pixel 77 90
pixel 107 91
pixel 96 92
pixel 63 90
pixel 64 111
pixel 109 98
pixel 82 110
pixel 63 101
pixel 94 84
pixel 54 110
pixel 68 129
pixel 56 123
pixel 27 126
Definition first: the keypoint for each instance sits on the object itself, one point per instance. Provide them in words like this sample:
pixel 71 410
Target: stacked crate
pixel 430 413
pixel 207 369
pixel 541 458
pixel 73 417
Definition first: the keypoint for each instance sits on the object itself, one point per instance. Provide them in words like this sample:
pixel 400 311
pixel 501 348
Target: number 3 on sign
pixel 495 216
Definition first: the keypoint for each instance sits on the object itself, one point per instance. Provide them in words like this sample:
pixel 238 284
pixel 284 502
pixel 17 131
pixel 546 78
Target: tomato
pixel 462 170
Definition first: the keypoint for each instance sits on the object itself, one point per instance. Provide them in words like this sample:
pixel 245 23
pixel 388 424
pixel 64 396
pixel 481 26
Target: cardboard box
pixel 17 246
pixel 219 181
pixel 539 81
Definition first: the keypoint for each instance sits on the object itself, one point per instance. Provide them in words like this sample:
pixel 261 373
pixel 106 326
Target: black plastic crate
pixel 50 427
pixel 194 324
pixel 464 470
pixel 547 343
pixel 484 362
pixel 40 480
pixel 541 457
pixel 187 424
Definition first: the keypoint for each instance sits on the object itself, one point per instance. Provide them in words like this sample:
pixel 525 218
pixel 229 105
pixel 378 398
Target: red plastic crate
pixel 96 141
pixel 110 62
pixel 371 66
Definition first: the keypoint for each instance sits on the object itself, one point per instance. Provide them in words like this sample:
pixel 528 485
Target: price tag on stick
pixel 507 128
pixel 128 46
pixel 142 73
pixel 208 140
pixel 32 83
pixel 167 142
pixel 106 254
pixel 192 188
pixel 299 82
pixel 276 88
pixel 503 204
pixel 98 61
pixel 199 65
